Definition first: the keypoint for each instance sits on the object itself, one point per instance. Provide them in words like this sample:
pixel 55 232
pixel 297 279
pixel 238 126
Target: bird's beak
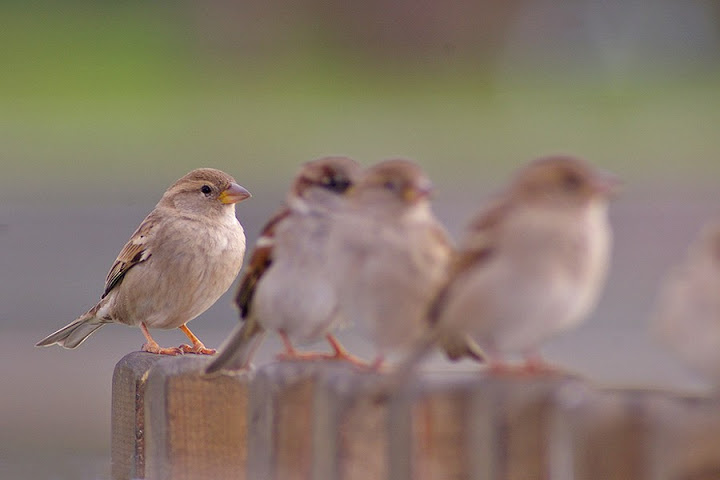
pixel 418 192
pixel 607 184
pixel 234 194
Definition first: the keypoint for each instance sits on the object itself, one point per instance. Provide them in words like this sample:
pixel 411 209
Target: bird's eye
pixel 390 185
pixel 206 190
pixel 572 181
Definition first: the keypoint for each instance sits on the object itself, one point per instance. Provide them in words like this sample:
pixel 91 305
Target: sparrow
pixel 286 287
pixel 687 313
pixel 180 260
pixel 532 264
pixel 390 256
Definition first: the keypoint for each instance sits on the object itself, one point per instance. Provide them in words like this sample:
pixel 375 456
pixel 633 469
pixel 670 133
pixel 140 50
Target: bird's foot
pixel 340 354
pixel 157 349
pixel 198 349
pixel 536 365
pixel 532 366
pixel 302 356
pixel 358 362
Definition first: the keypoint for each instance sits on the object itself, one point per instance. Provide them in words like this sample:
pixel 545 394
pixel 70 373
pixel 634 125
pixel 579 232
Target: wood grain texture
pixel 282 412
pixel 350 427
pixel 127 445
pixel 684 437
pixel 473 426
pixel 196 425
pixel 325 420
pixel 600 434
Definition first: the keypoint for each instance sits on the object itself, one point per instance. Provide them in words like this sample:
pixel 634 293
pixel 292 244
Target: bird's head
pixel 205 191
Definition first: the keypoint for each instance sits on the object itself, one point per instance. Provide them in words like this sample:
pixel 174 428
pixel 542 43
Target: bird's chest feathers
pixel 192 243
pixel 573 242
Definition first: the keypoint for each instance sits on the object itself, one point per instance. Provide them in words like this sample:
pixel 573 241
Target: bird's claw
pixel 157 349
pixel 199 349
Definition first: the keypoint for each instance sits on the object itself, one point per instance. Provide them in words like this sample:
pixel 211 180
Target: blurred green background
pixel 103 105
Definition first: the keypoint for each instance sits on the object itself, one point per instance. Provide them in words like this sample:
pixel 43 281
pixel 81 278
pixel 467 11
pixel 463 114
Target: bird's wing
pixel 135 251
pixel 260 261
pixel 477 248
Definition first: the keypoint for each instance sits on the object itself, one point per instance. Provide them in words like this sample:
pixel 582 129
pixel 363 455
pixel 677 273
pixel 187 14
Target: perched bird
pixel 532 264
pixel 286 287
pixel 687 315
pixel 180 260
pixel 390 257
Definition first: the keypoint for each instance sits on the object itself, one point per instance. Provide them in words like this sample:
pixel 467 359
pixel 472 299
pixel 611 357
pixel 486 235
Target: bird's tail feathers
pixel 457 346
pixel 74 333
pixel 403 372
pixel 237 351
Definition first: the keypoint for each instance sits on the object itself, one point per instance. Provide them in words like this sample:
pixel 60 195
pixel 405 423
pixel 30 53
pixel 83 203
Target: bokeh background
pixel 103 105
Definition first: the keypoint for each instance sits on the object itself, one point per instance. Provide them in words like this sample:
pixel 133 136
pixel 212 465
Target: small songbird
pixel 390 256
pixel 687 317
pixel 180 260
pixel 533 263
pixel 286 287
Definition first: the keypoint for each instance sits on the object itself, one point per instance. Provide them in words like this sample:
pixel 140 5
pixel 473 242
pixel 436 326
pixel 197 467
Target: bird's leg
pixel 497 365
pixel 342 354
pixel 377 364
pixel 535 364
pixel 152 346
pixel 292 354
pixel 197 345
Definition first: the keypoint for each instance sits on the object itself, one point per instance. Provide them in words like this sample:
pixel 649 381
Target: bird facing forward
pixel 180 260
pixel 687 317
pixel 286 287
pixel 533 263
pixel 390 256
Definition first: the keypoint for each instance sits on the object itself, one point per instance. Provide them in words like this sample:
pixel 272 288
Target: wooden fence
pixel 323 421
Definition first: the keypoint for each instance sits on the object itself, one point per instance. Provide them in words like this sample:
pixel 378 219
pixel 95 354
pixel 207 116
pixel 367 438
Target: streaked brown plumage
pixel 687 317
pixel 390 256
pixel 533 263
pixel 180 260
pixel 285 287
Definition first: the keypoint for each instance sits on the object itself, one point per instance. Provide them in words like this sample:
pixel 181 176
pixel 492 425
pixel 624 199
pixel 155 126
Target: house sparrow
pixel 390 255
pixel 286 287
pixel 532 264
pixel 180 260
pixel 687 315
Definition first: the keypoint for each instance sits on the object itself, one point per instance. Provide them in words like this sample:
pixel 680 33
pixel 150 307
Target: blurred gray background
pixel 103 106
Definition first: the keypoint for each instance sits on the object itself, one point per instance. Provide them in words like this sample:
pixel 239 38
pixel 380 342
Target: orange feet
pixel 155 348
pixel 534 364
pixel 152 346
pixel 197 346
pixel 292 354
pixel 339 352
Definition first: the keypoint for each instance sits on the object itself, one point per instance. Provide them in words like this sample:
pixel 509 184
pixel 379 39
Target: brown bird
pixel 180 260
pixel 687 317
pixel 286 287
pixel 533 263
pixel 390 256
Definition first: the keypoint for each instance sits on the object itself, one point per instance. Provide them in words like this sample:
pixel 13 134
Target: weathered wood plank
pixel 127 445
pixel 324 420
pixel 600 434
pixel 350 428
pixel 282 410
pixel 479 426
pixel 196 426
pixel 684 437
